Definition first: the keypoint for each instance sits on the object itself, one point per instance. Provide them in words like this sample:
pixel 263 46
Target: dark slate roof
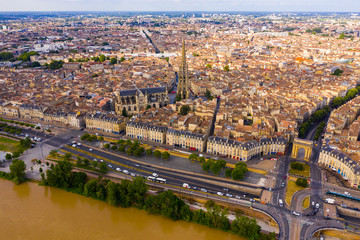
pixel 132 92
pixel 246 145
pixel 147 126
pixel 186 133
pixel 30 106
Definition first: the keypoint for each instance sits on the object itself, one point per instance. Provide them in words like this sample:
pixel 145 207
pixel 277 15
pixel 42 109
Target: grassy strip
pixel 306 202
pixel 18 123
pixel 290 191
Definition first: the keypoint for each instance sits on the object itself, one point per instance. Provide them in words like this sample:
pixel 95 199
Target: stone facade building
pixel 136 100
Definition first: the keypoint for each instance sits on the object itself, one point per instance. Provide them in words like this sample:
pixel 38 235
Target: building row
pixel 242 151
pixel 106 122
pixel 345 166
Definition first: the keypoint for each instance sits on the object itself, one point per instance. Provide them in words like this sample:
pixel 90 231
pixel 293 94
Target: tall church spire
pixel 183 76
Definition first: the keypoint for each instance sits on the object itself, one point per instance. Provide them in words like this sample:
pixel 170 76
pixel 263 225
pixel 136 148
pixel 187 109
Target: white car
pixel 101 160
pixel 296 213
pixel 118 169
pixel 126 172
pixel 237 197
pixel 133 174
pixel 203 190
pixel 220 193
pixel 155 174
pixel 109 166
pixel 229 195
pixel 90 149
pixel 95 159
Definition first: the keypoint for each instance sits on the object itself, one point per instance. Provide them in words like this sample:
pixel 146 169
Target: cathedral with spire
pixel 183 76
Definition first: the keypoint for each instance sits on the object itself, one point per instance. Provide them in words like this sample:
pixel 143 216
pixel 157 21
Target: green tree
pixel 246 227
pixel 302 182
pixel 95 164
pixel 208 66
pixel 6 56
pixel 215 168
pixel 122 59
pixel 67 156
pixel 85 136
pixel 106 145
pixel 239 172
pixel 86 162
pixel 103 168
pixel 138 152
pixel 122 148
pixel 113 61
pixel 114 147
pixel 201 160
pixel 54 64
pixel 129 152
pixel 157 153
pixel 17 170
pixel 8 156
pixel 184 110
pixel 193 157
pixel 102 58
pixel 165 155
pixel 342 36
pixel 228 172
pixel 178 98
pixel 207 165
pixel 148 152
pixel 227 68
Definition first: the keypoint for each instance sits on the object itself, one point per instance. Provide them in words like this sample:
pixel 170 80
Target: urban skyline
pixel 185 5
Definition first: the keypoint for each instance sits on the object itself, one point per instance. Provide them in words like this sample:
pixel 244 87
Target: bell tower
pixel 183 84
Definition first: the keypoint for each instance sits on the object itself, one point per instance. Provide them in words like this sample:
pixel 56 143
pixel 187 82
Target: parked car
pixel 125 171
pixel 220 193
pixel 229 195
pixel 118 169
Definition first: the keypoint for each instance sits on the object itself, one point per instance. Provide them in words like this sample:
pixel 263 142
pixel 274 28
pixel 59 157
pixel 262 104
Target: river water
pixel 30 211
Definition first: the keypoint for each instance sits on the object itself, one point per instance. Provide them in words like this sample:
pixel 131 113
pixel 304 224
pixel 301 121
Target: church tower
pixel 183 84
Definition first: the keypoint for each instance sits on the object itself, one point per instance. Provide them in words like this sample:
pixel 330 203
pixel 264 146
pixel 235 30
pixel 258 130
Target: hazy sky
pixel 181 5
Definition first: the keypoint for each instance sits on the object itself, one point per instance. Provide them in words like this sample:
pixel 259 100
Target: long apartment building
pixel 340 163
pixel 187 140
pixel 245 151
pixel 105 122
pixel 145 131
pixel 242 151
